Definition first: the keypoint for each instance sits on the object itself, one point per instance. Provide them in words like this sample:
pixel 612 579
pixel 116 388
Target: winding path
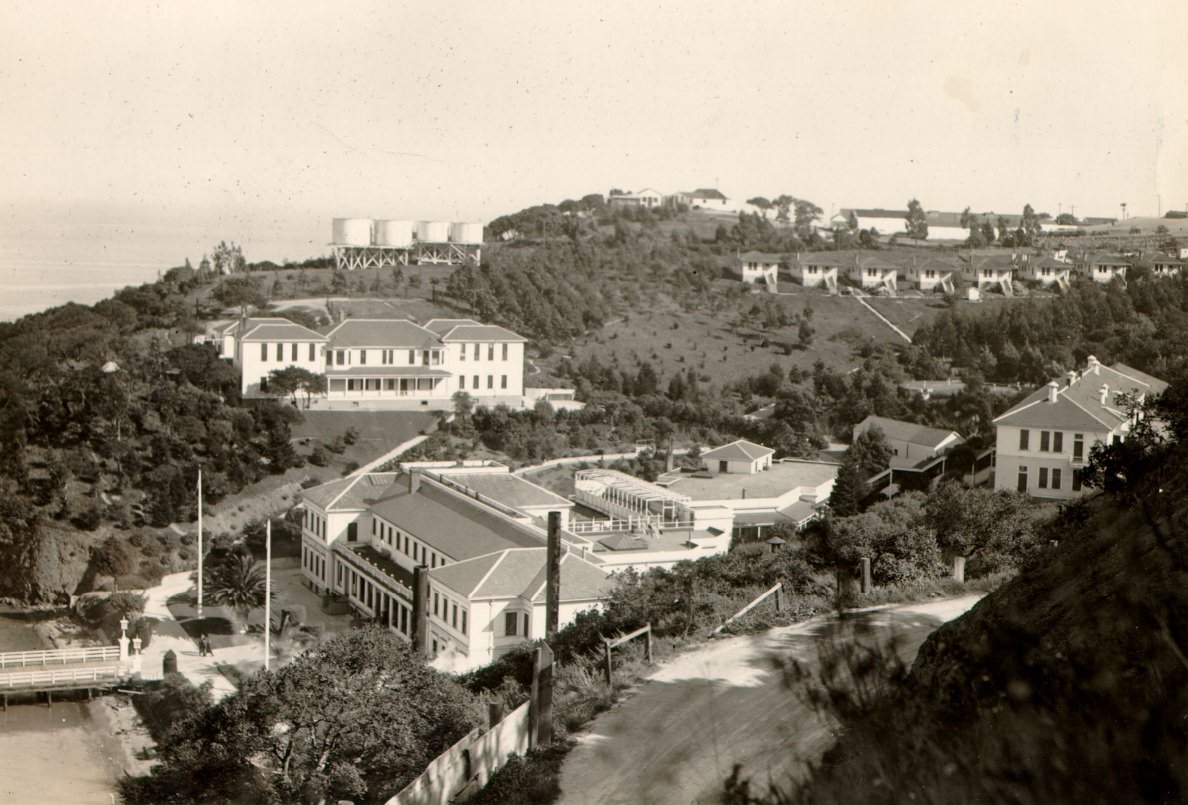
pixel 677 738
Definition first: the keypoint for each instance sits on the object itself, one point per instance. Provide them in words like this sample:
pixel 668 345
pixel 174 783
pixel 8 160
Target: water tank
pixel 393 233
pixel 433 231
pixel 465 232
pixel 351 232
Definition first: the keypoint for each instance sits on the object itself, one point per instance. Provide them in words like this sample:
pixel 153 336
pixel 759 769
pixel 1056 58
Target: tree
pixel 783 205
pixel 804 333
pixel 240 292
pixel 237 582
pixel 849 488
pixel 761 203
pixel 916 221
pixel 287 380
pixel 1066 219
pixel 995 527
pixel 872 451
pixel 968 219
pixel 227 258
pixel 987 232
pixel 358 717
pixel 806 215
pixel 1029 227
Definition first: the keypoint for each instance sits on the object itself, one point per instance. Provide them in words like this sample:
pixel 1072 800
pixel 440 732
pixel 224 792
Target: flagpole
pixel 200 542
pixel 267 592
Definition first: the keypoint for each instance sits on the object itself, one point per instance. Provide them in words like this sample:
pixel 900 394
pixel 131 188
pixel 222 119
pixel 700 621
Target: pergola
pixel 627 495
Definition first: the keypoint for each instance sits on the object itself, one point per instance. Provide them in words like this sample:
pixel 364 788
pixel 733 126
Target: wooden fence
pixel 777 591
pixel 59 656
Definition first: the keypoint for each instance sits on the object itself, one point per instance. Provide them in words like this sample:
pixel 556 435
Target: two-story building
pixel 259 346
pixel 486 361
pixel 364 537
pixel 1042 444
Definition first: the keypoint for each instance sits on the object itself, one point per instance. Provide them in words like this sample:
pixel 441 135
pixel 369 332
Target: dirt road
pixel 677 738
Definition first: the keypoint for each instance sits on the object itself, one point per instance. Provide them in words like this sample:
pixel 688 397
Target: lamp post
pixel 267 593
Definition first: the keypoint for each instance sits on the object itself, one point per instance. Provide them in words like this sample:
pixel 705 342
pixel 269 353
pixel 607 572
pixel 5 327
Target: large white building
pixel 382 362
pixel 1043 443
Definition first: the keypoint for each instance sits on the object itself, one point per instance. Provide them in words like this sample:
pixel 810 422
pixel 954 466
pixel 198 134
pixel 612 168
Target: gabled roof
pixel 826 259
pixel 876 213
pixel 508 489
pixel 276 330
pixel 908 431
pixel 443 326
pixel 352 493
pixel 521 573
pixel 382 333
pixel 1079 405
pixel 870 261
pixel 482 332
pixel 708 193
pixel 455 526
pixel 760 257
pixel 1106 260
pixel 739 450
pixel 1051 262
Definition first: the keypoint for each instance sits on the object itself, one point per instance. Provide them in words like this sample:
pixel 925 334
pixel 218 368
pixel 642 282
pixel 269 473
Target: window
pixel 1024 439
pixel 509 623
pixel 263 352
pixel 1058 442
pixel 463 621
pixel 463 352
pixel 454 616
pixel 1043 478
pixel 1078 447
pixel 1021 484
pixel 313 352
pixel 341 356
pixel 293 352
pixel 503 381
pixel 280 352
pixel 476 382
pixel 476 351
pixel 412 357
pixel 490 381
pixel 1055 477
pixel 462 382
pixel 490 352
pixel 505 352
pixel 1044 435
pixel 1076 480
pixel 435 601
pixel 526 630
pixel 362 357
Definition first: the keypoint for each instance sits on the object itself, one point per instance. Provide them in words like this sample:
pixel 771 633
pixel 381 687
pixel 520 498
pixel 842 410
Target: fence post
pixel 959 569
pixel 648 644
pixel 779 604
pixel 610 670
pixel 865 563
pixel 494 713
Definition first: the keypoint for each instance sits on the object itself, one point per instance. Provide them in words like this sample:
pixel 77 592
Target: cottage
pixel 1105 268
pixel 1048 271
pixel 910 442
pixel 874 274
pixel 931 274
pixel 646 199
pixel 760 268
pixel 818 270
pixel 986 272
pixel 1165 266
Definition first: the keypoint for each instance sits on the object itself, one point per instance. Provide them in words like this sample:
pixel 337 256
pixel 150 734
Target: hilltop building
pixel 646 199
pixel 1043 443
pixel 757 268
pixel 392 363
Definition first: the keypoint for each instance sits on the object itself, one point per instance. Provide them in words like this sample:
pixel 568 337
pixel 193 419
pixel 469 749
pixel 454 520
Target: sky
pixel 467 110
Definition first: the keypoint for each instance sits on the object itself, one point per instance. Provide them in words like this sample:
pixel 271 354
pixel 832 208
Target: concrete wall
pixel 464 768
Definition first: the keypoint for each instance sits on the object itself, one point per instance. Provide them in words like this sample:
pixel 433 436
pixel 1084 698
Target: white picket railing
pixel 59 656
pixel 27 680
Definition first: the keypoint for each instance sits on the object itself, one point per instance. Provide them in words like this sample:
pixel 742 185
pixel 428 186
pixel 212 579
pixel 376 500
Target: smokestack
pixel 553 577
pixel 420 620
pixel 1105 393
pixel 1053 391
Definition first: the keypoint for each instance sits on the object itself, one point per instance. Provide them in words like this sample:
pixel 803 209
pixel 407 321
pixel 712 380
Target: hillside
pixel 1069 684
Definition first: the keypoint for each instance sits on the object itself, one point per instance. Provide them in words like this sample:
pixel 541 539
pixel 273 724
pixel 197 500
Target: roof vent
pixel 1053 390
pixel 1071 377
pixel 1091 365
pixel 1105 393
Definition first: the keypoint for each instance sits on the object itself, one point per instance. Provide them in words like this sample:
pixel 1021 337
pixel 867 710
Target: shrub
pixel 320 457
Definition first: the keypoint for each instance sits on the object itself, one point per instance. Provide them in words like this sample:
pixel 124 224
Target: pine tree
pixel 849 489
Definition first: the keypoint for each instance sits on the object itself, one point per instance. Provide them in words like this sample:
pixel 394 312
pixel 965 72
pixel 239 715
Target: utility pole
pixel 553 576
pixel 267 593
pixel 199 542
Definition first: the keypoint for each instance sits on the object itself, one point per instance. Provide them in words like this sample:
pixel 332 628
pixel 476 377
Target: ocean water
pixel 52 255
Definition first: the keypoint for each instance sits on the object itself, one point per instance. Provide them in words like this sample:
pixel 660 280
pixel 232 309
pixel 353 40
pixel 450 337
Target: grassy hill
pixel 1068 684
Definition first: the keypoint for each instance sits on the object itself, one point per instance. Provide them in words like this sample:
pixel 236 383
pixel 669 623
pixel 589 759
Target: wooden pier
pixel 62 669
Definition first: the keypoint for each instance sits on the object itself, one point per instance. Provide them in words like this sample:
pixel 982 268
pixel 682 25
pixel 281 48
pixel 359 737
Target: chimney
pixel 414 481
pixel 1105 393
pixel 1053 391
pixel 1071 377
pixel 420 617
pixel 1091 365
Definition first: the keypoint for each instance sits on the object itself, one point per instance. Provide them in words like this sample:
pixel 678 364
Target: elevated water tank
pixel 466 232
pixel 393 233
pixel 351 232
pixel 433 231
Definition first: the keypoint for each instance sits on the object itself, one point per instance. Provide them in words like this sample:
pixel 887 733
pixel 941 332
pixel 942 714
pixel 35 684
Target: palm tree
pixel 237 582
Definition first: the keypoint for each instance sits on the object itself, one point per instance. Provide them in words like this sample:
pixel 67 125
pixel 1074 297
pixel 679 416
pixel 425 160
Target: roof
pixel 707 193
pixel 780 479
pixel 1079 404
pixel 453 525
pixel 481 332
pixel 354 492
pixel 1051 262
pixel 739 450
pixel 827 259
pixel 508 489
pixel 870 261
pixel 877 213
pixel 443 326
pixel 394 333
pixel 280 330
pixel 907 431
pixel 760 257
pixel 1106 260
pixel 521 573
pixel 377 560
